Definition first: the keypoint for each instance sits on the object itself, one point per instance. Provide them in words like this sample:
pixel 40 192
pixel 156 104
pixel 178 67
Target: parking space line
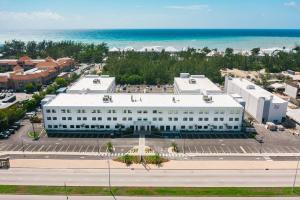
pixel 295 149
pixel 62 146
pixel 34 148
pixel 13 149
pixel 93 148
pixel 243 150
pixel 86 150
pixel 68 148
pixel 48 148
pixel 202 150
pixel 196 149
pixel 222 149
pixel 41 148
pixel 216 150
pixel 80 148
pixel 28 147
pixel 73 150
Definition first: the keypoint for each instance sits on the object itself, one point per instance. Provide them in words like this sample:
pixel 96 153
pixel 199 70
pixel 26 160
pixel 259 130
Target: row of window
pixel 143 119
pixel 161 127
pixel 146 111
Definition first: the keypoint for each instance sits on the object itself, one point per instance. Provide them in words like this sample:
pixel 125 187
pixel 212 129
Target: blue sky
pixel 106 14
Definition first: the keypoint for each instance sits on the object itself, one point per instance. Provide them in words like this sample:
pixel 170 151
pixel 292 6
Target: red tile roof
pixel 3 79
pixel 24 58
pixel 18 68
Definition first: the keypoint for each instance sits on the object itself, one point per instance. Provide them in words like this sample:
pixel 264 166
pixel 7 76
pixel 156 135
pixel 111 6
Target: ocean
pixel 240 39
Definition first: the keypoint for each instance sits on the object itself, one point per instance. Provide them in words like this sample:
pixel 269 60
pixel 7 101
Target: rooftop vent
pixel 107 98
pixel 192 81
pixel 207 99
pixel 174 100
pixel 250 87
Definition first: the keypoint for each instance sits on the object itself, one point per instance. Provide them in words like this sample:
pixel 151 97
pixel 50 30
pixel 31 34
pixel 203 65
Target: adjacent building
pixel 75 112
pixel 261 104
pixel 194 84
pixel 292 89
pixel 42 72
pixel 93 84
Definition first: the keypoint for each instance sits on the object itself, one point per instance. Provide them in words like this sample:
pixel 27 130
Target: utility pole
pixel 109 183
pixel 295 177
pixel 23 149
pixel 66 192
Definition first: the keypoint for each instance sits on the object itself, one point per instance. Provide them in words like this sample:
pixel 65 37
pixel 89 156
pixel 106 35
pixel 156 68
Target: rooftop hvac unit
pixel 250 87
pixel 96 81
pixel 107 98
pixel 207 99
pixel 192 81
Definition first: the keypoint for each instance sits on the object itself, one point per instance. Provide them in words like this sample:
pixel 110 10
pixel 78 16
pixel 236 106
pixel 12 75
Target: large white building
pixel 141 112
pixel 261 104
pixel 194 84
pixel 93 84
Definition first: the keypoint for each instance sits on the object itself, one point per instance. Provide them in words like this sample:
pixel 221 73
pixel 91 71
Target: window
pixel 109 111
pixel 129 111
pixel 109 119
pixel 230 119
pixel 69 118
pixel 87 126
pixel 214 127
pixel 78 118
pixel 160 119
pixel 221 119
pixel 48 111
pixel 185 112
pixel 205 127
pixel 191 119
pixel 101 126
pixel 124 111
pixel 175 119
pixel 191 112
pixel 94 118
pixel 64 126
pixel 114 111
pixel 48 118
pixel 139 119
pixel 92 126
pixel 53 111
pixel 145 119
pixel 49 126
pixel 98 111
pixel 63 118
pixel 200 112
pixel 63 111
pixel 236 127
pixel 154 119
pixel 185 119
pixel 77 126
pixel 170 118
pixel 54 118
pixel 190 127
pixel 182 127
pixel 229 127
pixel 71 126
pixel 236 119
pixel 145 111
pixel 206 119
pixel 206 112
pixel 84 118
pixel 220 127
pixel 200 119
pixel 124 119
pixel 129 118
pixel 55 126
pixel 215 119
pixel 114 118
pixel 68 111
pixel 107 126
pixel 216 112
pixel 93 111
pixel 199 127
pixel 99 118
pixel 139 111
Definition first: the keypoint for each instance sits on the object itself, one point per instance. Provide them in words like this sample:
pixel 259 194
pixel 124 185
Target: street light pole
pixel 109 183
pixel 295 177
pixel 23 149
pixel 66 192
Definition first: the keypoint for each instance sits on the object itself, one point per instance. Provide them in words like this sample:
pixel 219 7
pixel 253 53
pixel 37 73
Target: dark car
pixel 3 136
pixel 11 131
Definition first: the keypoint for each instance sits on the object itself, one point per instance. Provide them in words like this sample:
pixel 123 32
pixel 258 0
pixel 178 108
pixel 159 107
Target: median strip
pixel 149 191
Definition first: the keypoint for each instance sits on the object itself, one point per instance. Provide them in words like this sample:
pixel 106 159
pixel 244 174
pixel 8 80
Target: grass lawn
pixel 149 191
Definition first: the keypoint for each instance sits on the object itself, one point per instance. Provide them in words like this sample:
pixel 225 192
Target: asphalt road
pixel 130 177
pixel 27 197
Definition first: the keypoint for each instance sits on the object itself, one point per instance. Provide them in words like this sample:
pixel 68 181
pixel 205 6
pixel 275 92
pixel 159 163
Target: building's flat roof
pixel 201 84
pixel 257 91
pixel 87 83
pixel 141 100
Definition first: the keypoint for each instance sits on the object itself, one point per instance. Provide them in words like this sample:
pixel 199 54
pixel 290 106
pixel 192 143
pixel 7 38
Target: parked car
pixel 3 136
pixel 11 131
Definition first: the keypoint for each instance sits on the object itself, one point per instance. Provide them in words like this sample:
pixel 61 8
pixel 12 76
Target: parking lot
pixel 188 143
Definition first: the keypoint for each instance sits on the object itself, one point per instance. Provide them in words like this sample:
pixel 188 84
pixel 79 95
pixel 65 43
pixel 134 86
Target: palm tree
pixel 109 147
pixel 174 147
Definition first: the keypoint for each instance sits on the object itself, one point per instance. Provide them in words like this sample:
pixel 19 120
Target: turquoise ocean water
pixel 162 38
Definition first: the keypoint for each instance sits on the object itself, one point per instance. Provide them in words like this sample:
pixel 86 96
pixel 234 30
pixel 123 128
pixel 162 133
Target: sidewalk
pixel 171 165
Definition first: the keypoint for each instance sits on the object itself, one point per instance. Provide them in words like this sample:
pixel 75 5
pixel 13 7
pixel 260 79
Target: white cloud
pixel 190 7
pixel 30 16
pixel 292 4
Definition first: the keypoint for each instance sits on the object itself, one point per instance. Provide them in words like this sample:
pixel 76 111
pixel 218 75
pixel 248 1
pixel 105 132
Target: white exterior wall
pixel 231 117
pixel 291 91
pixel 255 104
